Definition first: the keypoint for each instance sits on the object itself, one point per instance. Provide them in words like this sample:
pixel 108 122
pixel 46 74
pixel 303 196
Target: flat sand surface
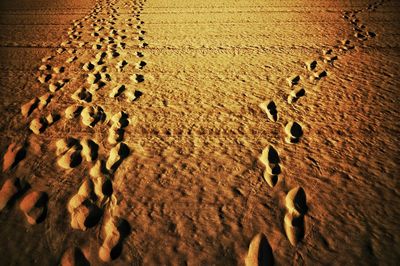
pixel 169 132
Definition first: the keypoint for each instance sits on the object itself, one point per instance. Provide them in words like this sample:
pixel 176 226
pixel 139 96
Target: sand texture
pixel 171 132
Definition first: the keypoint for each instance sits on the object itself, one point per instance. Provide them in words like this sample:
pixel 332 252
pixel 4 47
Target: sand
pixel 199 132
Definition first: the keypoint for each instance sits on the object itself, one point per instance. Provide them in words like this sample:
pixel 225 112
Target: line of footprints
pixel 94 199
pixel 260 251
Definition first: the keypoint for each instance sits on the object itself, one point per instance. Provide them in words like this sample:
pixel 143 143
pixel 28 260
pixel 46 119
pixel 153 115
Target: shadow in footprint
pixel 94 216
pixel 124 230
pixel 260 252
pixel 294 132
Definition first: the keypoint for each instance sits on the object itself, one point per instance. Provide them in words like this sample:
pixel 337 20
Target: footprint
pixel 94 78
pixel 327 51
pixel 117 91
pixel 294 228
pixel 44 67
pixel 44 100
pixel 103 187
pixel 9 189
pixel 296 206
pixel 294 132
pixel 53 87
pixel 38 125
pixel 138 78
pixel 132 96
pixel 329 59
pixel 117 154
pixel 141 65
pixel 113 54
pixel 98 170
pixel 74 256
pixel 91 115
pixel 90 149
pixel 270 159
pixel 293 80
pixel 115 135
pixel 360 36
pixel 88 66
pixel 270 109
pixel 296 202
pixel 71 59
pixel 73 111
pixel 60 50
pixel 71 159
pixel 319 75
pixel 82 95
pixel 51 119
pixel 260 252
pixel 311 65
pixel 97 46
pixel 58 70
pixel 14 154
pixel 63 145
pixel 120 119
pixel 371 34
pixel 121 65
pixel 295 95
pixel 34 206
pixel 114 230
pixel 47 58
pixel 84 213
pixel 29 107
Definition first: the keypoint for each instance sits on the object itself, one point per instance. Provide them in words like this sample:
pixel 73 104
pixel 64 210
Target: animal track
pixel 260 252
